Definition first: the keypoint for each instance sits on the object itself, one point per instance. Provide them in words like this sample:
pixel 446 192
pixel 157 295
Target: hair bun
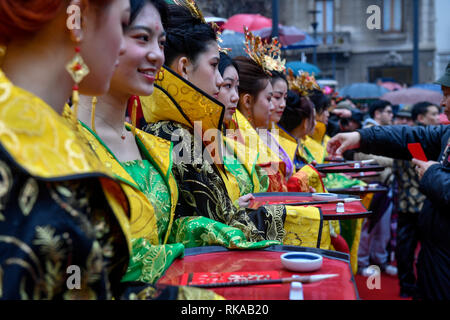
pixel 19 18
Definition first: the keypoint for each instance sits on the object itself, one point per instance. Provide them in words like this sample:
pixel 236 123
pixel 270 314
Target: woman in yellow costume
pixel 255 107
pixel 257 83
pixel 143 161
pixel 62 212
pixel 280 87
pixel 258 115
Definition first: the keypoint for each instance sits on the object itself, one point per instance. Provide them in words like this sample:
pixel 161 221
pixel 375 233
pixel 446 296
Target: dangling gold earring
pixel 77 70
pixel 94 104
pixel 2 53
pixel 134 100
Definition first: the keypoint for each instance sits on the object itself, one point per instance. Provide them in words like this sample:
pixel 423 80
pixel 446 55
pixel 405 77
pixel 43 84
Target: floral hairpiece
pixel 221 49
pixel 303 83
pixel 196 12
pixel 266 55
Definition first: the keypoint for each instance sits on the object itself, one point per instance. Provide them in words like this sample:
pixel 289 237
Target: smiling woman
pixel 143 161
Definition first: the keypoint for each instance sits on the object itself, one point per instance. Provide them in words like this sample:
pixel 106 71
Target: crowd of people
pixel 135 135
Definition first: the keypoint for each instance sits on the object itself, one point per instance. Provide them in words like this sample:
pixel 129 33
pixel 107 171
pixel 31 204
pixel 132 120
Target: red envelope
pixel 417 152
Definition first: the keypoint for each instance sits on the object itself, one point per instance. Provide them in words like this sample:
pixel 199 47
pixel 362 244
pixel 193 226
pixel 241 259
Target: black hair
pixel 252 78
pixel 186 34
pixel 225 62
pixel 420 108
pixel 377 105
pixel 278 76
pixel 297 109
pixel 320 100
pixel 160 5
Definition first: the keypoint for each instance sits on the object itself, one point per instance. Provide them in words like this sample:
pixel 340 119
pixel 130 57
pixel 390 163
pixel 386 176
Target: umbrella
pixel 217 20
pixel 428 86
pixel 286 34
pixel 251 21
pixel 391 86
pixel 309 42
pixel 412 96
pixel 234 41
pixel 363 90
pixel 297 66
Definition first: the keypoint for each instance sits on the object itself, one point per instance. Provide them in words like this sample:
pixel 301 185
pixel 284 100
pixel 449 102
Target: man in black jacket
pixel 433 267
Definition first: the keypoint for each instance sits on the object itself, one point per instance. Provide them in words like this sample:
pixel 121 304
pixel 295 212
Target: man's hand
pixel 244 201
pixel 342 142
pixel 422 166
pixel 342 113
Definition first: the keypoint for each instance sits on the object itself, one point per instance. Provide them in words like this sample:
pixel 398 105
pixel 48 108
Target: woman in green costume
pixel 143 161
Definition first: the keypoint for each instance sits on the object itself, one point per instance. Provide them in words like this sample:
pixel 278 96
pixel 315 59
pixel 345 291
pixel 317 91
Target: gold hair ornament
pixel 197 13
pixel 266 55
pixel 303 83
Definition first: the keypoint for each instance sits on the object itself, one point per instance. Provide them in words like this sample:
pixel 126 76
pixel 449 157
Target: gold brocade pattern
pixel 195 105
pixel 267 159
pixel 317 150
pixel 247 158
pixel 46 254
pixel 46 145
pixel 288 142
pixel 303 226
pixel 314 179
pixel 206 189
pixel 6 182
pixel 39 139
pixel 251 138
pixel 191 293
pixel 319 133
pixel 151 183
pixel 160 151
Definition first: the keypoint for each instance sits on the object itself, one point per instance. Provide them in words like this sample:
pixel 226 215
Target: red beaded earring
pixel 77 70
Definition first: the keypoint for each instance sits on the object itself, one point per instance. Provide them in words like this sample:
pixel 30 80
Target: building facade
pixel 360 40
pixel 442 11
pixel 364 40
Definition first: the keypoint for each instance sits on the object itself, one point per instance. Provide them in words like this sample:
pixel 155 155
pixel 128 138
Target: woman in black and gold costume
pixel 184 95
pixel 64 221
pixel 184 109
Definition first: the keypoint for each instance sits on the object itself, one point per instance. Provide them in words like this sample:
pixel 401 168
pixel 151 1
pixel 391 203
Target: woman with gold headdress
pixel 259 108
pixel 143 161
pixel 64 224
pixel 255 107
pixel 184 109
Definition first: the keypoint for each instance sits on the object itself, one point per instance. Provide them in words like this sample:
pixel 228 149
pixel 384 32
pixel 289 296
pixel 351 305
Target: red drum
pixel 344 168
pixel 357 190
pixel 214 261
pixel 353 210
